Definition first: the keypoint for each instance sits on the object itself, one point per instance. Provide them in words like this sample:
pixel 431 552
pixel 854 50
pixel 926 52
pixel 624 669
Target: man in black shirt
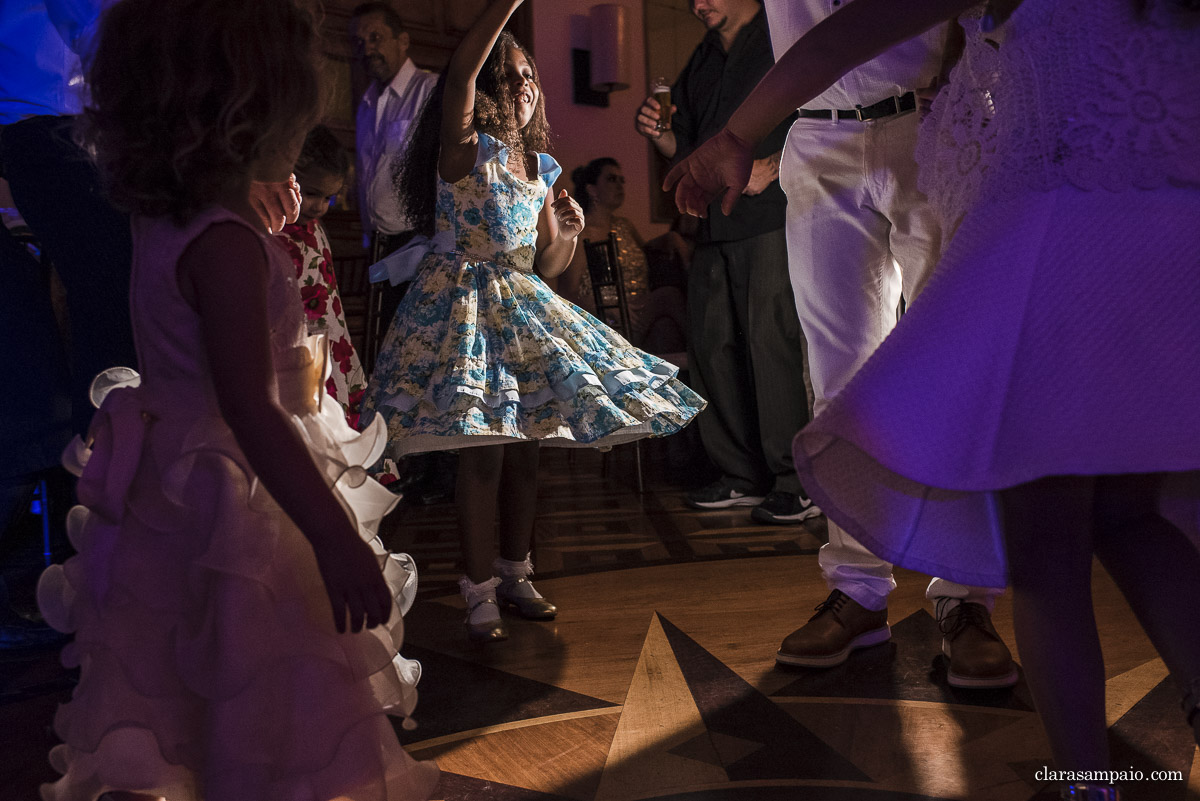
pixel 746 351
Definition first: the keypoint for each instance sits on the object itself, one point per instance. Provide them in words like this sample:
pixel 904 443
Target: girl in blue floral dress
pixel 482 356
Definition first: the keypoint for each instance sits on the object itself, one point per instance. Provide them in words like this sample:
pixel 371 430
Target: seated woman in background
pixel 657 318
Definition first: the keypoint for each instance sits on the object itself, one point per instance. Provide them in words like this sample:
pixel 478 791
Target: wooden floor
pixel 657 679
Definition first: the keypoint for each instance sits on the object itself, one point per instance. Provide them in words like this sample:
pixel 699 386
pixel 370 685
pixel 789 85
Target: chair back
pixel 351 274
pixel 608 290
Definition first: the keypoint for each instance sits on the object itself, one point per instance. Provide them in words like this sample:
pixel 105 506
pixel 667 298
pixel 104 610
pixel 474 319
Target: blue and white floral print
pixel 481 351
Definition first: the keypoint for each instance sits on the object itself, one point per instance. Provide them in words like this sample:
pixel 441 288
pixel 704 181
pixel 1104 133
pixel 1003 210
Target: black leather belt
pixel 884 108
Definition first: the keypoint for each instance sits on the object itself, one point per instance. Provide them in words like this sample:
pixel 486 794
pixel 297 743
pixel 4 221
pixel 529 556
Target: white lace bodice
pixel 1098 94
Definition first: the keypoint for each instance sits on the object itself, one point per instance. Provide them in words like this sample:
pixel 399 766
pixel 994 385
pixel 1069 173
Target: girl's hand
pixel 354 582
pixel 568 215
pixel 721 166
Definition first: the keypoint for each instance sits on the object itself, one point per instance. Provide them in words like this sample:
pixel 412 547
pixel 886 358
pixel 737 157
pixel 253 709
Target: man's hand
pixel 721 166
pixel 925 98
pixel 762 174
pixel 277 203
pixel 646 124
pixel 648 118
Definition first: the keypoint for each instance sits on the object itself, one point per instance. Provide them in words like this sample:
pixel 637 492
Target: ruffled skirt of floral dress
pixel 482 354
pixel 210 664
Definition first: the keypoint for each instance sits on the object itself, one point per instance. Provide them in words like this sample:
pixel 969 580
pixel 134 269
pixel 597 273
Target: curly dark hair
pixel 323 151
pixel 415 176
pixel 187 97
pixel 587 175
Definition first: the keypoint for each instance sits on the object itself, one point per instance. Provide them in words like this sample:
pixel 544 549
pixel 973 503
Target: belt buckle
pixel 858 113
pixel 896 103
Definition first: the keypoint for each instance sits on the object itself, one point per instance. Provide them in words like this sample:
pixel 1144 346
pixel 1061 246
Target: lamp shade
pixel 610 62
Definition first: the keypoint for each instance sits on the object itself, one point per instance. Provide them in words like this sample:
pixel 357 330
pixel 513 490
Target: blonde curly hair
pixel 187 96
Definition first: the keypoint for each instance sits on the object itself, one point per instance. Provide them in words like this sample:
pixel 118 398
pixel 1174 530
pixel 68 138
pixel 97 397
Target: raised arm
pixel 459 139
pixel 850 37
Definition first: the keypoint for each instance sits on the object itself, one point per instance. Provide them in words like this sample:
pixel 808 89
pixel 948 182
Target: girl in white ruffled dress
pixel 483 356
pixel 235 620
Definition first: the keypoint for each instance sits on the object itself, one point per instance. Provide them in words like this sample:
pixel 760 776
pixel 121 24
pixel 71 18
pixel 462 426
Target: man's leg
pixel 846 289
pixel 978 657
pixel 57 190
pixel 776 349
pixel 720 371
pixel 35 425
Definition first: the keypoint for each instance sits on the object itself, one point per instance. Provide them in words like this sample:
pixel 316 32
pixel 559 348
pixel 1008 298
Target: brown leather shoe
pixel 840 626
pixel 979 659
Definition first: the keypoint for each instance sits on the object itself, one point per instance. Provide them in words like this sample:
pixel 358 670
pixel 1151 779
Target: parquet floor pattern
pixel 657 679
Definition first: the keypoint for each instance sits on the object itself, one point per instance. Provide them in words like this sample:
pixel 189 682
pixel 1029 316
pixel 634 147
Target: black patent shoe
pixel 486 631
pixel 482 627
pixel 520 595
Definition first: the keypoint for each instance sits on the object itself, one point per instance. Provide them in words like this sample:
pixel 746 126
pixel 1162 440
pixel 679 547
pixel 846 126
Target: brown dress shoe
pixel 840 626
pixel 979 659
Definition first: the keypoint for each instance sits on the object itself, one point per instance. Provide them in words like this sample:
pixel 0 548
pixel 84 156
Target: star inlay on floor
pixel 657 680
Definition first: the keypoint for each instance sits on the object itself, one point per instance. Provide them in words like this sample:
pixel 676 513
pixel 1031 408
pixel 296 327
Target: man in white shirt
pixel 386 114
pixel 860 236
pixel 388 109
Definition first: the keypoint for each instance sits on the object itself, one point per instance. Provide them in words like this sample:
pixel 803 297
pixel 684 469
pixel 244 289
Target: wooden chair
pixel 608 293
pixel 608 290
pixel 351 273
pixel 381 301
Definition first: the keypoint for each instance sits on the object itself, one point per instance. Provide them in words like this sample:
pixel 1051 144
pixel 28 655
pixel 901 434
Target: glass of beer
pixel 662 93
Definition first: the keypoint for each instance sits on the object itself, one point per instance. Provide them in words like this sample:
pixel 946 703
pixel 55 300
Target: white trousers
pixel 859 234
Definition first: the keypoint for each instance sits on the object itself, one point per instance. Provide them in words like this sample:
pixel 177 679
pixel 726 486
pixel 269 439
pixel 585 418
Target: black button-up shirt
pixel 710 88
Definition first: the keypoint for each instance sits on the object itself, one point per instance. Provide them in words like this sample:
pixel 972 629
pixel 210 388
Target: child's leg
pixel 475 494
pixel 518 488
pixel 1157 569
pixel 1048 537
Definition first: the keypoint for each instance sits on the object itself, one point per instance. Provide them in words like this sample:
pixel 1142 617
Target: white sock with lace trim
pixel 481 599
pixel 511 574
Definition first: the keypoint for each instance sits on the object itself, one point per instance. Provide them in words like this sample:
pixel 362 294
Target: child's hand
pixel 568 214
pixel 354 582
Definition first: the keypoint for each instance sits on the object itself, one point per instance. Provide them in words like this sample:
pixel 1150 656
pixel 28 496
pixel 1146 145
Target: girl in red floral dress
pixel 321 171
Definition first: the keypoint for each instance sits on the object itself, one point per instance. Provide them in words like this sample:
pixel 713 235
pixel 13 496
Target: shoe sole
pixel 998 682
pixel 866 640
pixel 725 503
pixel 982 682
pixel 763 516
pixel 510 606
pixel 484 639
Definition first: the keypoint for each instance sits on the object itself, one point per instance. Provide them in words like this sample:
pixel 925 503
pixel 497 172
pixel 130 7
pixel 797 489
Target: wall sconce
pixel 599 62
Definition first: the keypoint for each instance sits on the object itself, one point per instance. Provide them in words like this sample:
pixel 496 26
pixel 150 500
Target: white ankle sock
pixel 511 573
pixel 480 599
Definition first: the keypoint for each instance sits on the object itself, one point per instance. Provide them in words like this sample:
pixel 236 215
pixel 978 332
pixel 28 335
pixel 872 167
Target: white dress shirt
pixel 381 135
pixel 907 66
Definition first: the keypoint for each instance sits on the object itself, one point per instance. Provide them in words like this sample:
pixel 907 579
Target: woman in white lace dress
pixel 1038 403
